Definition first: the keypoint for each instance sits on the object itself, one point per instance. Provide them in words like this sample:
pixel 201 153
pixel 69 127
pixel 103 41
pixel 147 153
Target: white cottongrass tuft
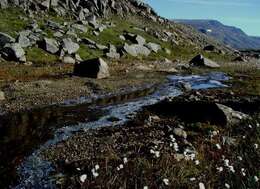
pixel 192 179
pixel 201 185
pixel 218 146
pixel 227 185
pixel 94 173
pixel 243 172
pixel 125 160
pixel 256 146
pixel 166 181
pixel 220 169
pixel 256 178
pixel 197 162
pixel 145 187
pixel 239 158
pixel 121 166
pixel 97 167
pixel 83 178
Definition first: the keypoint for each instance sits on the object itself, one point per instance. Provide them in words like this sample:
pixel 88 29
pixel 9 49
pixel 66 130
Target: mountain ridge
pixel 229 35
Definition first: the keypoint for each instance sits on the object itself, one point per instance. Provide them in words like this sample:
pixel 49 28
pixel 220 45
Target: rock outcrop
pixel 82 9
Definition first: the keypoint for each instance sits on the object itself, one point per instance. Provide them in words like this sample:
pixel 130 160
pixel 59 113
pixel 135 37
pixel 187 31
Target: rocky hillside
pixel 229 35
pixel 73 30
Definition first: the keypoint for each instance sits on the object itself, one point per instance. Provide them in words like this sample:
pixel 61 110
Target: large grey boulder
pixel 50 45
pixel 69 46
pixel 129 49
pixel 3 4
pixel 135 50
pixel 201 61
pixel 13 51
pixel 231 116
pixel 136 39
pixel 93 68
pixel 141 50
pixel 5 39
pixel 80 27
pixel 23 40
pixel 112 52
pixel 153 47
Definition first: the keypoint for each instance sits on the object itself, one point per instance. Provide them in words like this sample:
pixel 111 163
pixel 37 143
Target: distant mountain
pixel 229 35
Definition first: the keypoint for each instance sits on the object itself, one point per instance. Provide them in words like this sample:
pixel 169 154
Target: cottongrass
pixel 227 185
pixel 166 181
pixel 83 178
pixel 201 185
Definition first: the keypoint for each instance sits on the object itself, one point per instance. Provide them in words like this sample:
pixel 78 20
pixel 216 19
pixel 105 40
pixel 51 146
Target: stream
pixel 24 135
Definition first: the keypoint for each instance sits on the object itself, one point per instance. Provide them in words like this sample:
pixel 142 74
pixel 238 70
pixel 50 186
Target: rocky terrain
pixel 108 94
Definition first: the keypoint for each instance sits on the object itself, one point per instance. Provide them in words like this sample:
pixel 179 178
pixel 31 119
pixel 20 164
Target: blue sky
pixel 244 14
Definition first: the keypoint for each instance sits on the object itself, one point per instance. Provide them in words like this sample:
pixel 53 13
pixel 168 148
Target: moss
pixel 39 56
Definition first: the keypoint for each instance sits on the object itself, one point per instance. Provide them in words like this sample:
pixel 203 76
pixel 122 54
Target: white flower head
pixel 83 178
pixel 218 146
pixel 97 167
pixel 227 185
pixel 145 187
pixel 197 162
pixel 220 169
pixel 192 179
pixel 125 160
pixel 256 178
pixel 166 181
pixel 201 185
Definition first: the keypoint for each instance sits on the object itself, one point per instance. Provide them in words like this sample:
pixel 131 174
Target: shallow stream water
pixel 24 135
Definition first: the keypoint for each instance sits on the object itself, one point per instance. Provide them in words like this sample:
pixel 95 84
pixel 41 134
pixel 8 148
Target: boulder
pixel 88 41
pixel 80 27
pixel 69 46
pixel 5 39
pixel 141 50
pixel 153 47
pixel 3 4
pixel 199 60
pixel 14 51
pixel 68 60
pixel 136 39
pixel 231 116
pixel 112 52
pixel 210 48
pixel 23 40
pixel 93 68
pixel 50 45
pixel 129 49
pixel 135 50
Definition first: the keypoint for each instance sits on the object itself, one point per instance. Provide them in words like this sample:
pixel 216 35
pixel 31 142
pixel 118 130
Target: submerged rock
pixel 94 68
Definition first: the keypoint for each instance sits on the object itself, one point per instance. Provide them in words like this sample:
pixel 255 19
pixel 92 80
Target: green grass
pixel 39 56
pixel 10 22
